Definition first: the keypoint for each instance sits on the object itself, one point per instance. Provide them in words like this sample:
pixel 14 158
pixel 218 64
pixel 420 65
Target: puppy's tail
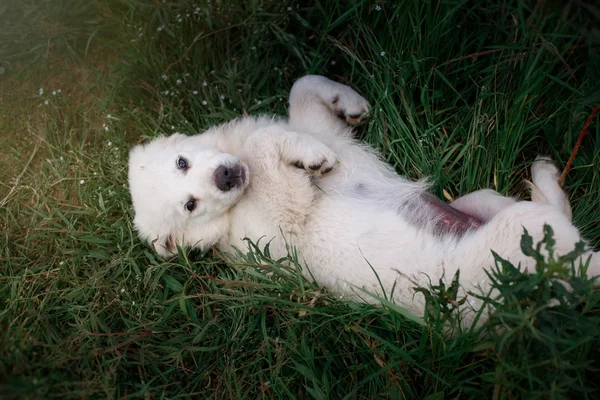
pixel 545 188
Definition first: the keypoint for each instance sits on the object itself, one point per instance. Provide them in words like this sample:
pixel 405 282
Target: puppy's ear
pixel 176 138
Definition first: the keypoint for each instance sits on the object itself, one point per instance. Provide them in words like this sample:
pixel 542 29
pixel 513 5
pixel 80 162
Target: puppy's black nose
pixel 227 177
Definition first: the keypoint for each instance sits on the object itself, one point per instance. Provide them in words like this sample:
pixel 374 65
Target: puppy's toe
pixel 350 106
pixel 319 162
pixel 355 119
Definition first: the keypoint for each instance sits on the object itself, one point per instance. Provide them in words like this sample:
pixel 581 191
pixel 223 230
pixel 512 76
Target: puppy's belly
pixel 444 219
pixel 422 210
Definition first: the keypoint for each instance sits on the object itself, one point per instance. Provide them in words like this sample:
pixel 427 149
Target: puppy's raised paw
pixel 545 188
pixel 317 159
pixel 348 105
pixel 543 168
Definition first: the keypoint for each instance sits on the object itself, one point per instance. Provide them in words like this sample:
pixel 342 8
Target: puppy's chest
pixel 252 218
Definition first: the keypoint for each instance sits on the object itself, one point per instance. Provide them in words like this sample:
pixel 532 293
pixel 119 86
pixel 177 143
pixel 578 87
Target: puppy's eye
pixel 190 205
pixel 182 163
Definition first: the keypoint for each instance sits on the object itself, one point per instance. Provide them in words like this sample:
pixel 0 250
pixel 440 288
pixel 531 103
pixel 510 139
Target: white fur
pixel 344 223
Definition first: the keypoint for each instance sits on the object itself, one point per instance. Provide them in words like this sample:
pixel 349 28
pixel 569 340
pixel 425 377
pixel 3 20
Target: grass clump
pixel 465 92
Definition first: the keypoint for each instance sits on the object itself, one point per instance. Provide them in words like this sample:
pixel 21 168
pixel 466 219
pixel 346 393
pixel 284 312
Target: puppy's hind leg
pixel 482 204
pixel 320 105
pixel 545 188
pixel 485 204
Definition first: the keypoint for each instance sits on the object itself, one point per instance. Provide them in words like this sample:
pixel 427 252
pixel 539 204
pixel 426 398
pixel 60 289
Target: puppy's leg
pixel 482 204
pixel 320 105
pixel 485 204
pixel 545 188
pixel 503 234
pixel 282 164
pixel 268 147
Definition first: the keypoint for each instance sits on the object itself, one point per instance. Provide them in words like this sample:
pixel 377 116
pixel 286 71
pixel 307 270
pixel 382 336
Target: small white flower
pixel 178 81
pixel 166 92
pixel 123 290
pixel 382 54
pixel 377 7
pixel 204 102
pixel 46 102
pixel 289 9
pixel 333 62
pixel 160 28
pixel 59 90
pixel 106 128
pixel 81 182
pixel 41 91
pixel 133 303
pixel 195 92
pixel 259 101
pixel 187 14
pixel 61 263
pixel 179 20
pixel 164 77
pixel 54 93
pixel 222 97
pixel 109 116
pixel 204 84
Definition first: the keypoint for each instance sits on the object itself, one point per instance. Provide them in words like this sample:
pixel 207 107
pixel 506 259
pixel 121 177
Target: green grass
pixel 467 93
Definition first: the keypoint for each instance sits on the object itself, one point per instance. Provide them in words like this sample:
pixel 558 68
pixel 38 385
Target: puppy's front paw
pixel 347 104
pixel 317 159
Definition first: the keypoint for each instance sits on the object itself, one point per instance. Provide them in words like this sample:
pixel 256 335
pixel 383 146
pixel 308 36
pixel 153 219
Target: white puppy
pixel 306 182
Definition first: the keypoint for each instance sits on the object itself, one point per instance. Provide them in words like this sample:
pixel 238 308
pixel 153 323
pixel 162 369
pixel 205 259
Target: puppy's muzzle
pixel 229 177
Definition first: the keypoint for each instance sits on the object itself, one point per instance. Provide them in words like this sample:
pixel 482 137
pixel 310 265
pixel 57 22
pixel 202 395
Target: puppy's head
pixel 182 188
